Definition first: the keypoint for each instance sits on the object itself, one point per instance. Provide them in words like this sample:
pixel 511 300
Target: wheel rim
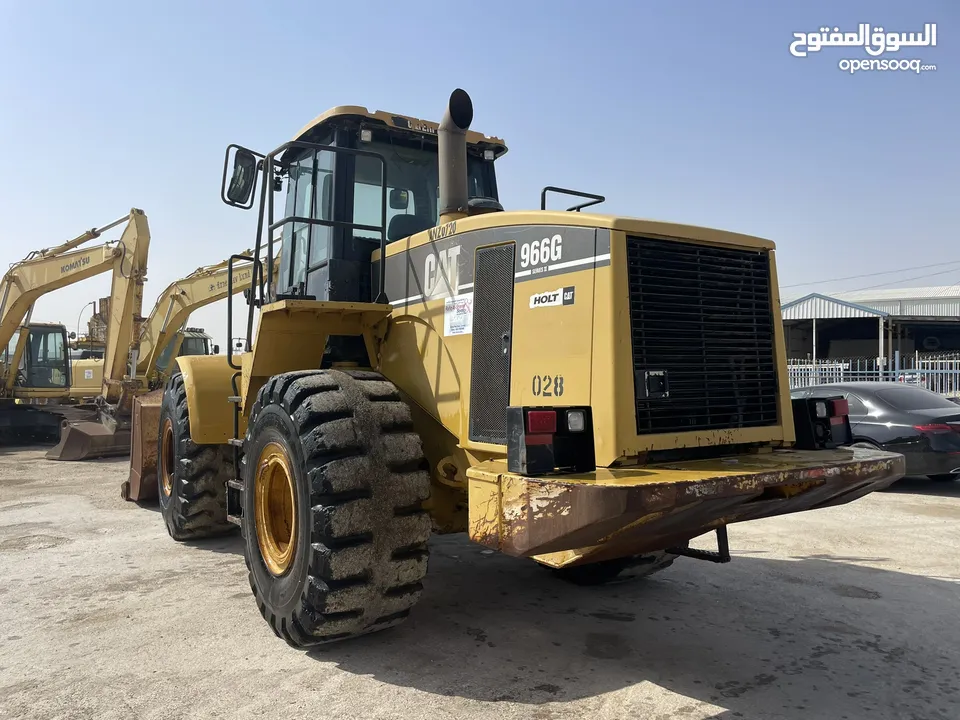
pixel 166 458
pixel 276 516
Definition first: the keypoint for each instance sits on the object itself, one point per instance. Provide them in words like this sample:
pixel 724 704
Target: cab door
pixel 46 365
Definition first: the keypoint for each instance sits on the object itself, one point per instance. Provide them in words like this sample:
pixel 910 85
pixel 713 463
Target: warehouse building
pixel 873 323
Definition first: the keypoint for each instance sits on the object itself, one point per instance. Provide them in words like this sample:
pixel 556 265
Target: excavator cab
pixel 190 341
pixel 45 363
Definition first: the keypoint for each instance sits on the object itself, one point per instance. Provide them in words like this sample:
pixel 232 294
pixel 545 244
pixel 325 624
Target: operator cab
pixel 45 362
pixel 195 342
pixel 342 194
pixel 330 262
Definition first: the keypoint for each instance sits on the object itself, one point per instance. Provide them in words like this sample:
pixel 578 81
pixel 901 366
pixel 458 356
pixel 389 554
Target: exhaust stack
pixel 452 138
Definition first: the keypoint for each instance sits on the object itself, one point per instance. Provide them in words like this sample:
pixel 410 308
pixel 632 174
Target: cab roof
pixel 340 113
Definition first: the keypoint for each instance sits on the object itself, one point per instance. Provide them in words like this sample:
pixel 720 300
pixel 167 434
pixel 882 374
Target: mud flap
pixel 86 440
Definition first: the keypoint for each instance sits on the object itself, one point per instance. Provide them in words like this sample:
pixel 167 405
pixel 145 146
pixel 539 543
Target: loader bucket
pixel 86 440
pixel 145 428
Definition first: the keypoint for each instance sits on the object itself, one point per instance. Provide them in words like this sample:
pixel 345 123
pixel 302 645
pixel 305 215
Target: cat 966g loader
pixel 585 390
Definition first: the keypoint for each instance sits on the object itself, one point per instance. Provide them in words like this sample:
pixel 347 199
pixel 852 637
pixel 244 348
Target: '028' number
pixel 543 251
pixel 547 385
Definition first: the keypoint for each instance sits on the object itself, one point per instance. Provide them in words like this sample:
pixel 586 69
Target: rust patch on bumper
pixel 625 512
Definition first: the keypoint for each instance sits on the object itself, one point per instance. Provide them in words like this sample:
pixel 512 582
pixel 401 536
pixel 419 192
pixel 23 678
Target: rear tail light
pixel 821 423
pixel 544 440
pixel 542 421
pixel 934 427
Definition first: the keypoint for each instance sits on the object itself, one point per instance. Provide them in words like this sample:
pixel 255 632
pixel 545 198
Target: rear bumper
pixel 564 520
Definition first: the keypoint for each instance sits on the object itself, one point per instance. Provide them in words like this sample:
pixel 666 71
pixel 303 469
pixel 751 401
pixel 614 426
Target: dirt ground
pixel 835 614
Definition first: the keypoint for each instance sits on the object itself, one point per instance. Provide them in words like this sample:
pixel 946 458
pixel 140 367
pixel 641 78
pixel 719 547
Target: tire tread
pixel 367 478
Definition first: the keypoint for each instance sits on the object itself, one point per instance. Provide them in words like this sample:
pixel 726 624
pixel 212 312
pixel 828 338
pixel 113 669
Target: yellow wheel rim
pixel 166 457
pixel 276 513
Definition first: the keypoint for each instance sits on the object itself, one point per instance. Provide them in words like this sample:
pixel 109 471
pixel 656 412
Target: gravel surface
pixel 836 614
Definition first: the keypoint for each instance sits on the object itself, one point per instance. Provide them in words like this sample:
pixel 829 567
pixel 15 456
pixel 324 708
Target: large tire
pixel 191 478
pixel 605 571
pixel 334 480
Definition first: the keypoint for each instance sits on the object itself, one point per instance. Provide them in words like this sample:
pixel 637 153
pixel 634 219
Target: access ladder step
pixel 233 398
pixel 235 442
pixel 235 484
pixel 235 519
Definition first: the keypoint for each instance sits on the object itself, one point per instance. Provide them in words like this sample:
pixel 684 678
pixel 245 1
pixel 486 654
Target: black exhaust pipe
pixel 452 139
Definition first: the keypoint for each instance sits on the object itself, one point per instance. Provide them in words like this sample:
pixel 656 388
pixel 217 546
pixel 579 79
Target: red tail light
pixel 840 407
pixel 933 427
pixel 542 421
pixel 543 440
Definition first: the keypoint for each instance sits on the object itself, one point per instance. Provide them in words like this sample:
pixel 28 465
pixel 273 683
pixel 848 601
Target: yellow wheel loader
pixel 588 391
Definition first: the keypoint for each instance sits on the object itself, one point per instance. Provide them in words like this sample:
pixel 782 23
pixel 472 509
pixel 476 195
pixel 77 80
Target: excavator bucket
pixel 88 440
pixel 142 482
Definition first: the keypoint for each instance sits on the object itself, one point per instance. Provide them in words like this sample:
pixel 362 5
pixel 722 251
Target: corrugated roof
pixel 919 293
pixel 822 307
pixel 930 302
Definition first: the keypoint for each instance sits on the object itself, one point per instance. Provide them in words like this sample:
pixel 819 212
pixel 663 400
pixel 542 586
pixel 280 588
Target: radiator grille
pixel 702 314
pixel 492 327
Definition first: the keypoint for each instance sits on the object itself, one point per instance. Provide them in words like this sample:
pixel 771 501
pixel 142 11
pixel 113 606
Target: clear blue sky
pixel 685 111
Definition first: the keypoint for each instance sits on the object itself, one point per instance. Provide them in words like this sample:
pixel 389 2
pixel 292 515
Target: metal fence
pixel 939 372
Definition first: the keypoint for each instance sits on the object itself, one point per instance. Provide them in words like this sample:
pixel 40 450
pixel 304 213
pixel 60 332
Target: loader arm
pixel 45 271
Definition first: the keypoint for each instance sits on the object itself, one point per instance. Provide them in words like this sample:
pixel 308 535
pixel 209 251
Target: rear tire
pixel 334 479
pixel 191 478
pixel 605 571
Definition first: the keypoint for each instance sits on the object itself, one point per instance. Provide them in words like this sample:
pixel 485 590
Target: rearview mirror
pixel 73 336
pixel 243 177
pixel 399 199
pixel 216 349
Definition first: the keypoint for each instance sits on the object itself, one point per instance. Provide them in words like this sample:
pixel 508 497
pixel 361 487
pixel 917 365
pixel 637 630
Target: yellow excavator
pixel 162 337
pixel 586 390
pixel 35 394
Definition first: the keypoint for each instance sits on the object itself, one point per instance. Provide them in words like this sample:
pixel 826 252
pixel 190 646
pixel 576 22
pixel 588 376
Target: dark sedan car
pixel 921 425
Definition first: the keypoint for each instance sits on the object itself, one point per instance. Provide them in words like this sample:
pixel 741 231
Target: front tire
pixel 334 479
pixel 191 478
